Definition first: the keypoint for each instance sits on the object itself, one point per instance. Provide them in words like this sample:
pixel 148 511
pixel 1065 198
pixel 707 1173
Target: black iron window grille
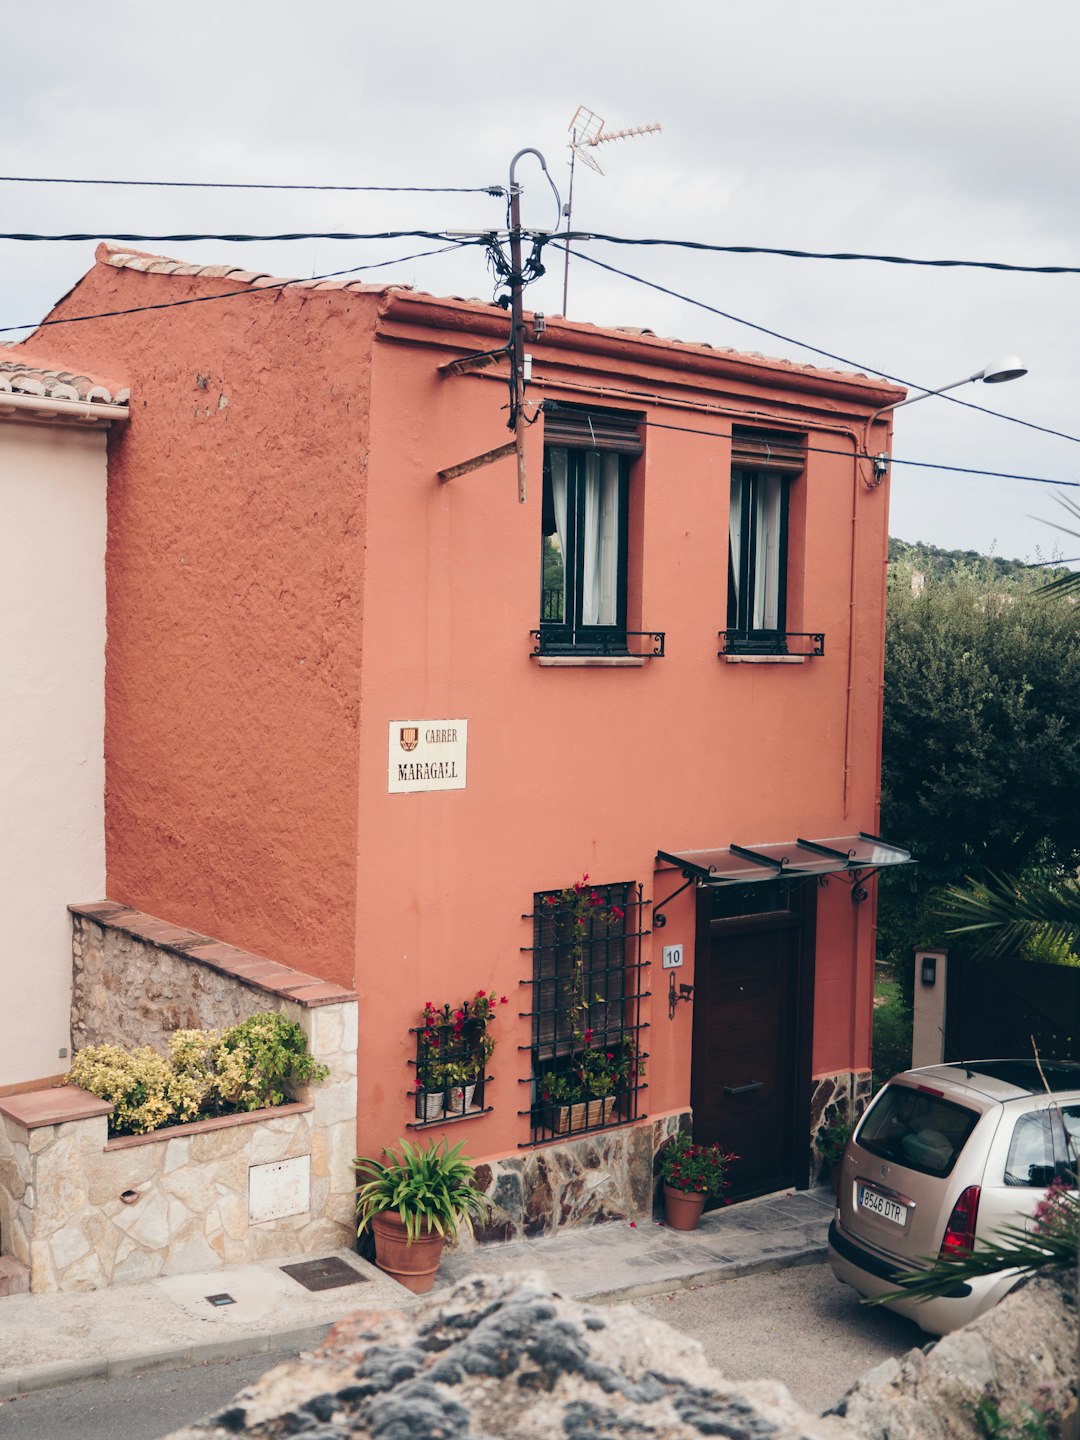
pixel 587 1059
pixel 452 1050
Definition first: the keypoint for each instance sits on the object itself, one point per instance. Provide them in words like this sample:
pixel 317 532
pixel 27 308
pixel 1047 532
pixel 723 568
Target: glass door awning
pixel 858 856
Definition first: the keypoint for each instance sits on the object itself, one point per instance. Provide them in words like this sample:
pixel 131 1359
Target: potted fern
pixel 413 1202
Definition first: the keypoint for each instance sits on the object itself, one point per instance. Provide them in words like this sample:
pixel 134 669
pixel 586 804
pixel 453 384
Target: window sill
pixel 764 659
pixel 623 661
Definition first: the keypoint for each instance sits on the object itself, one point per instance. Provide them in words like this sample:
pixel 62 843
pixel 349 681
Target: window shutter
pixel 587 429
pixel 780 452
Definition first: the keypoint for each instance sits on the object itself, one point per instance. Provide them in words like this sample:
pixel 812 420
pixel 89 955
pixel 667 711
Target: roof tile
pixel 20 377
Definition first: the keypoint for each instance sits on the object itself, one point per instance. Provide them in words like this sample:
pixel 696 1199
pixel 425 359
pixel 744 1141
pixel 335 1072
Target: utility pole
pixel 517 324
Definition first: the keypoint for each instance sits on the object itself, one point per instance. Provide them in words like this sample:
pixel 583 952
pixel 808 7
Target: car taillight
pixel 960 1231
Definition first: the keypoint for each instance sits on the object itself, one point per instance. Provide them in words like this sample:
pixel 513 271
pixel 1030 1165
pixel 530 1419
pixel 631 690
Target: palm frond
pixel 1017 1249
pixel 1015 909
pixel 1065 585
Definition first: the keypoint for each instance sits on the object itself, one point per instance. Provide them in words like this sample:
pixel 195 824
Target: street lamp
pixel 1008 368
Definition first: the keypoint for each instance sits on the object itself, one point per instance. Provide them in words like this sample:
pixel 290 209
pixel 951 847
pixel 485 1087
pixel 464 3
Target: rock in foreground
pixel 506 1357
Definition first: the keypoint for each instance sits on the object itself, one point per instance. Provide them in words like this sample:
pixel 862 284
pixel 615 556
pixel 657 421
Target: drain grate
pixel 326 1274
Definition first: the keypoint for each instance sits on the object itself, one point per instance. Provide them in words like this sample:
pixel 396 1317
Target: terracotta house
pixel 369 716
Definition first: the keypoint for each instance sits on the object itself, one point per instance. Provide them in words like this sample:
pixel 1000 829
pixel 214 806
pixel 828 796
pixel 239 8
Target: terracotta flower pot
pixel 414 1265
pixel 683 1208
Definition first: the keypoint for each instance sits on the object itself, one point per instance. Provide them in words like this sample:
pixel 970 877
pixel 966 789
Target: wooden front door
pixel 753 1026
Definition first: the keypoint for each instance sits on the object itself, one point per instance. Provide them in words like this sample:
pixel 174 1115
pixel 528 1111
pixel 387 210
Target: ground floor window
pixel 588 1062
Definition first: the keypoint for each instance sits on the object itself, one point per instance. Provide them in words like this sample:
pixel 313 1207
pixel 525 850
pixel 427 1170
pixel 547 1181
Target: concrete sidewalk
pixel 57 1339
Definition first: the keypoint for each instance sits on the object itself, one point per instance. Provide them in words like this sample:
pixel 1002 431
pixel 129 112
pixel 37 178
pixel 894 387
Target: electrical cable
pixel 860 455
pixel 233 294
pixel 796 254
pixel 816 349
pixel 493 190
pixel 237 239
pixel 785 251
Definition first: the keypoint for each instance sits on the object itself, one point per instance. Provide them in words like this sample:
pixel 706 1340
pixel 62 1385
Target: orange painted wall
pixel 588 769
pixel 287 576
pixel 235 592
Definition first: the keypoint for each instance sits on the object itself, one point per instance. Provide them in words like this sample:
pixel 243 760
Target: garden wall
pixel 83 1211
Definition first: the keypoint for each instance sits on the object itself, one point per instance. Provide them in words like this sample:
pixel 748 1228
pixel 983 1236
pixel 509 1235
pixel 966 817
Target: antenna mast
pixel 586 132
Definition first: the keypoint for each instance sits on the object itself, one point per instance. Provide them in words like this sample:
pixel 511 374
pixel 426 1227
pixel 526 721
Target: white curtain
pixel 735 541
pixel 558 464
pixel 600 540
pixel 766 501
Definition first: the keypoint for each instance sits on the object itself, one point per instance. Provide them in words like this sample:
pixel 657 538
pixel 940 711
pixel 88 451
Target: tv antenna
pixel 586 133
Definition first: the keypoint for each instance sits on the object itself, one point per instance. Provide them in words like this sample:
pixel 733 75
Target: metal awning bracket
pixel 659 919
pixel 777 865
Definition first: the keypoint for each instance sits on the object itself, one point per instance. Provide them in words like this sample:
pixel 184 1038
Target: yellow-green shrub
pixel 208 1072
pixel 138 1084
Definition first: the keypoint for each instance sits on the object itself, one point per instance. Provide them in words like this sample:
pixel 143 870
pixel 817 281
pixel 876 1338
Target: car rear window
pixel 915 1129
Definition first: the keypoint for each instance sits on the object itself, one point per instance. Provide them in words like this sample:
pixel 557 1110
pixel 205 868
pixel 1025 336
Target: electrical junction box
pixel 278 1190
pixel 673 957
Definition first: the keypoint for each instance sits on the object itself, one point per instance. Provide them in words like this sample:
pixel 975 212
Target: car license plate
pixel 879 1204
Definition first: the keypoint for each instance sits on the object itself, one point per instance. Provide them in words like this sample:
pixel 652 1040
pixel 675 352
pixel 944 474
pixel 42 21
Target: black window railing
pixel 635 644
pixel 772 642
pixel 452 1051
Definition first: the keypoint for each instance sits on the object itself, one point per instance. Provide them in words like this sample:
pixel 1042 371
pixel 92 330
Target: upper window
pixel 757 568
pixel 587 458
pixel 763 466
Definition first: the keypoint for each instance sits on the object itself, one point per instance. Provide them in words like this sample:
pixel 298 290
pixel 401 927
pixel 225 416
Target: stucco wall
pixel 303 518
pixel 52 773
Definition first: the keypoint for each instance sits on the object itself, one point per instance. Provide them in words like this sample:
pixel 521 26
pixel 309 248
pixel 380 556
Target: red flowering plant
pixel 455 1045
pixel 579 911
pixel 686 1166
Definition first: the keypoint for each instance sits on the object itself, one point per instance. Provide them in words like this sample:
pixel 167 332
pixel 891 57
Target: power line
pixel 855 454
pixel 817 350
pixel 246 239
pixel 785 251
pixel 796 254
pixel 233 294
pixel 493 190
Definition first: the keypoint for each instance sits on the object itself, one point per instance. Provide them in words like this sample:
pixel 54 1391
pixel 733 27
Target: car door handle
pixel 743 1089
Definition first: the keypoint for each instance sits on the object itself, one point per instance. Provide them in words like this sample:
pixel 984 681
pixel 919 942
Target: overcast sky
pixel 938 128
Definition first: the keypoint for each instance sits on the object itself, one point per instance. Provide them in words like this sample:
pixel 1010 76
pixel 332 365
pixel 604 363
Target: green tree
pixel 981 747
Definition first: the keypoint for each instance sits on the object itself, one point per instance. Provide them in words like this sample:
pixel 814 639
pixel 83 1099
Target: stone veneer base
pixel 83 1211
pixel 609 1175
pixel 840 1097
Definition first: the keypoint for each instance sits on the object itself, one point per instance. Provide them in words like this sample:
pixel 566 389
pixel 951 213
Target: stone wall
pixel 605 1176
pixel 88 1212
pixel 136 979
pixel 840 1097
pixel 83 1211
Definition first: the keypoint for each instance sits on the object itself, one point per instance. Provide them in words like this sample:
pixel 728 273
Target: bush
pixel 138 1085
pixel 208 1073
pixel 891 1040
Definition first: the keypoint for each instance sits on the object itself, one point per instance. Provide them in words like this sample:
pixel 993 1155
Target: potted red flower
pixel 691 1174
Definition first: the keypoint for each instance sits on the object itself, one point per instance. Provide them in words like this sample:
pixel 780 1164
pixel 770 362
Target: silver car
pixel 944 1156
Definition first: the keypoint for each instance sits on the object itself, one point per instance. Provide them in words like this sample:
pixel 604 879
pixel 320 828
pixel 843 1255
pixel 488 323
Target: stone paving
pixel 58 1338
